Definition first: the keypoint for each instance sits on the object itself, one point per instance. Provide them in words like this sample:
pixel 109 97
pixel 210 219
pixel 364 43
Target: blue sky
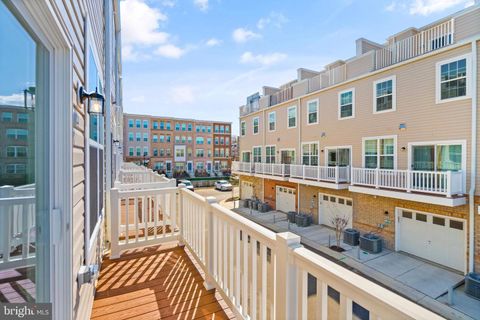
pixel 202 58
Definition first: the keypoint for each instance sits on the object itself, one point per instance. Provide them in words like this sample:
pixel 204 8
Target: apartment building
pixel 60 106
pixel 387 139
pixel 174 145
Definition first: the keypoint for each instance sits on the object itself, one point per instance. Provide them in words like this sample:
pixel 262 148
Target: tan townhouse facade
pixel 387 139
pixel 174 145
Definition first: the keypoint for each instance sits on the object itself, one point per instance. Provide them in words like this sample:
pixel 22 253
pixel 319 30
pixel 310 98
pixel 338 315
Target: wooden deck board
pixel 159 282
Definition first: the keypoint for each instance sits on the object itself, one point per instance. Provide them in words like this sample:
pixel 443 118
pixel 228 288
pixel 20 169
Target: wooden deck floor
pixel 159 282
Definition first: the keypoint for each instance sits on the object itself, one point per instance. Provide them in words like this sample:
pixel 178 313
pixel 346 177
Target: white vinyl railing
pixel 320 173
pixel 273 169
pixel 141 176
pixel 17 226
pixel 446 183
pixel 259 274
pixel 246 167
pixel 437 37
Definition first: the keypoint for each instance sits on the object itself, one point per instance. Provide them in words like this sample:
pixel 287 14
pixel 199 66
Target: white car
pixel 223 185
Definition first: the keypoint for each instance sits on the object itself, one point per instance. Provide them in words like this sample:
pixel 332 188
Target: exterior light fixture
pixel 402 126
pixel 96 101
pixel 323 135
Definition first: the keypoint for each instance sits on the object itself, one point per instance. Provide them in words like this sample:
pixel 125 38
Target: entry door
pixel 287 157
pixel 331 206
pixel 285 199
pixel 436 238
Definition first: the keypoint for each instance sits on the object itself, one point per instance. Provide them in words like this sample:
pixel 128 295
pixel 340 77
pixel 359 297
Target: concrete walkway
pixel 416 279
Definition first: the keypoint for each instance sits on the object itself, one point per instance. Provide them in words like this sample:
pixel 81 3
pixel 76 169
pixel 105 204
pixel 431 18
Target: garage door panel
pixel 247 190
pixel 285 199
pixel 435 238
pixel 331 206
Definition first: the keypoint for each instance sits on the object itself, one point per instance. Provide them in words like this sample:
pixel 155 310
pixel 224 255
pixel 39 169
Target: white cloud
pixel 169 3
pixel 170 51
pixel 140 24
pixel 263 59
pixel 426 7
pixel 241 35
pixel 15 99
pixel 274 18
pixel 213 42
pixel 201 4
pixel 182 94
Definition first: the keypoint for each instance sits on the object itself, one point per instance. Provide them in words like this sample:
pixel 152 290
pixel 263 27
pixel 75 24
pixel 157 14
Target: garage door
pixel 246 190
pixel 331 206
pixel 432 237
pixel 285 199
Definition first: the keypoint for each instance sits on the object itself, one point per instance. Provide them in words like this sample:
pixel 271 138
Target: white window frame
pixel 395 153
pixel 253 125
pixel 469 76
pixel 243 132
pixel 288 149
pixel 251 159
pixel 296 117
pixel 394 94
pixel 310 156
pixel 317 101
pixel 340 104
pixel 274 113
pixel 253 154
pixel 274 154
pixel 184 149
pixel 326 149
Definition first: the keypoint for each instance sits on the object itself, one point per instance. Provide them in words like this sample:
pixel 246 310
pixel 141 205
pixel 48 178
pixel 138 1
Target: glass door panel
pixel 423 158
pixel 449 157
pixel 288 157
pixel 24 218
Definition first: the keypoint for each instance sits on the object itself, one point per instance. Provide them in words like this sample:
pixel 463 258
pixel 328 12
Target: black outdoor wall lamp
pixel 96 101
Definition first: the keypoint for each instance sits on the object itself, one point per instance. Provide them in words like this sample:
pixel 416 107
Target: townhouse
pixel 387 139
pixel 175 145
pixel 60 106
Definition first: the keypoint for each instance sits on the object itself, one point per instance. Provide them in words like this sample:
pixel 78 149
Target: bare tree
pixel 339 223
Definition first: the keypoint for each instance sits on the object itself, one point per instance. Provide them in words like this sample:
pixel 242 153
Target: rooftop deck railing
pixel 259 274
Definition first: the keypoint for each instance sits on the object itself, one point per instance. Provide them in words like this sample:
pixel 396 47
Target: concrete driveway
pixel 417 279
pixel 219 195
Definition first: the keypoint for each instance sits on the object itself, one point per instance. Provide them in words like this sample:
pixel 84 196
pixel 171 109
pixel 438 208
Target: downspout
pixel 264 149
pixel 299 126
pixel 473 164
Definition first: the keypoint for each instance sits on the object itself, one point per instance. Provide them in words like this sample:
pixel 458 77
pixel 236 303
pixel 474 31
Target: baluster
pixel 127 218
pixel 245 274
pixel 135 218
pixel 263 293
pixel 254 297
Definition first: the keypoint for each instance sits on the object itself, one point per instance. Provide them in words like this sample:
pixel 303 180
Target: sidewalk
pixel 416 279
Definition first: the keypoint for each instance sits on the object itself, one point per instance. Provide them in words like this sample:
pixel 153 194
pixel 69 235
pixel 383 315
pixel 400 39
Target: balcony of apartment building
pixel 175 254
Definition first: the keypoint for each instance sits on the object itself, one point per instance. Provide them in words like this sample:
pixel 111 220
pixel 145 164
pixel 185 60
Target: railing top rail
pixel 16 200
pixel 192 194
pixel 359 288
pixel 259 232
pixel 144 192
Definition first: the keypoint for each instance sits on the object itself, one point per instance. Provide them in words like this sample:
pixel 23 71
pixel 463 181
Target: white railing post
pixel 409 180
pixel 209 243
pixel 303 172
pixel 377 178
pixel 180 217
pixel 337 174
pixel 348 170
pixel 115 216
pixel 286 300
pixel 449 184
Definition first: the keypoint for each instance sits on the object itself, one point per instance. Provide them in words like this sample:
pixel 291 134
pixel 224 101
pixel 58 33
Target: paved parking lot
pixel 220 195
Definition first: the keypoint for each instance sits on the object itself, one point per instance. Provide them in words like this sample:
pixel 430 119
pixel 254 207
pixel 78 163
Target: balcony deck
pixel 159 282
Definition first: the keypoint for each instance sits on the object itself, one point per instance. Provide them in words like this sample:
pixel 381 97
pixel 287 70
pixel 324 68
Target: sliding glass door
pixel 338 157
pixel 24 182
pixel 441 157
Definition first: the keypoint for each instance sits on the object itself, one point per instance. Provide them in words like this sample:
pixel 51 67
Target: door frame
pixel 43 23
pixel 398 210
pixel 326 149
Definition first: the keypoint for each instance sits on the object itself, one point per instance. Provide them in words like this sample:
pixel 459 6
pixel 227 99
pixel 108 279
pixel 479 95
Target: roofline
pixel 174 118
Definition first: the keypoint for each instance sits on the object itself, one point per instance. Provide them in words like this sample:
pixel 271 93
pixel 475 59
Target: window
pixel 292 117
pixel 272 121
pixel 310 154
pixel 270 154
pixel 437 157
pixel 379 153
pixel 179 152
pixel 155 124
pixel 162 138
pixel 227 129
pixel 346 104
pixel 222 141
pixel 216 140
pixel 199 165
pixel 243 128
pixel 222 129
pixel 256 122
pixel 145 137
pixel 145 124
pixel 227 141
pixel 168 152
pixel 189 139
pixel 16 169
pixel 216 128
pixel 197 128
pixel 199 153
pixel 168 125
pixel 199 140
pixel 287 156
pixel 155 138
pixel 137 123
pixel 169 138
pixel 130 123
pixel 177 126
pixel 338 157
pixel 452 80
pixel 22 118
pixel 138 136
pixel 209 129
pixel 312 112
pixel 184 139
pixel 139 151
pixel 130 152
pixel 209 152
pixel 184 126
pixel 162 152
pixel 145 151
pixel 257 154
pixel 209 140
pixel 16 151
pixel 204 129
pixel 17 134
pixel 155 152
pixel 130 136
pixel 189 127
pixel 177 139
pixel 246 156
pixel 384 95
pixel 162 125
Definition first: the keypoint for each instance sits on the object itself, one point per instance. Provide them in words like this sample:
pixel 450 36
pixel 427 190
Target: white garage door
pixel 331 206
pixel 436 238
pixel 285 199
pixel 246 190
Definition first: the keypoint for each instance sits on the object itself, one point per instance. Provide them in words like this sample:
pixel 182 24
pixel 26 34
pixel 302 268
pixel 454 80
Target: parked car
pixel 187 184
pixel 223 185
